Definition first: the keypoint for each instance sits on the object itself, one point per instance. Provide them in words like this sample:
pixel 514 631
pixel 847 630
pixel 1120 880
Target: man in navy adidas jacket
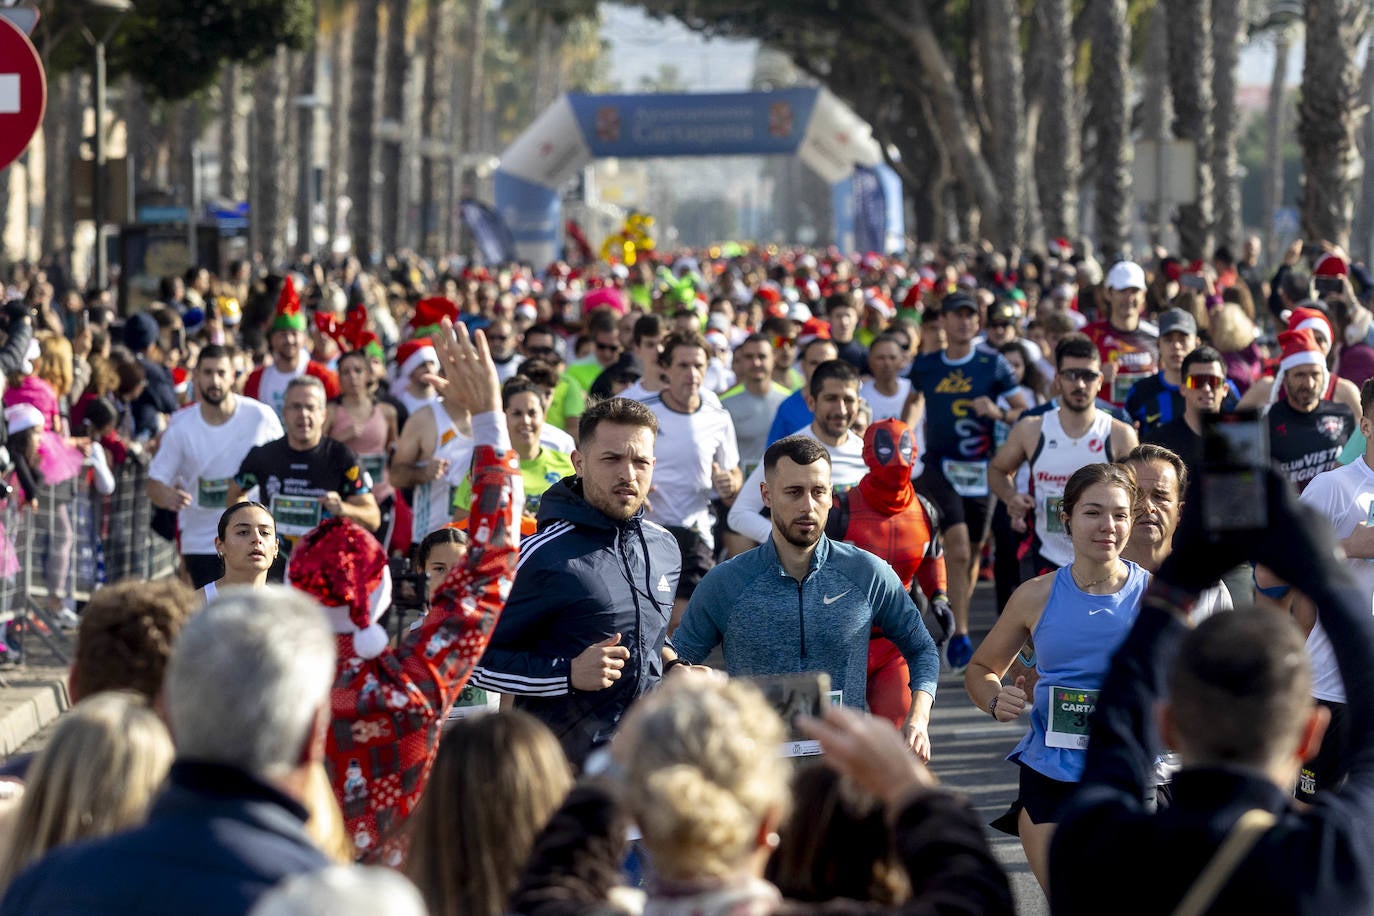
pixel 585 628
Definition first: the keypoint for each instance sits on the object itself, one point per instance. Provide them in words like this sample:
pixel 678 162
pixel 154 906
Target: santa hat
pixel 812 329
pixel 430 312
pixel 181 380
pixel 1330 265
pixel 289 316
pixel 344 568
pixel 1300 348
pixel 1311 319
pixel 410 356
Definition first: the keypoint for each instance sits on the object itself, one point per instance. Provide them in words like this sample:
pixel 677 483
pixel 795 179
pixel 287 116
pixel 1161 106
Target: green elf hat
pixel 289 316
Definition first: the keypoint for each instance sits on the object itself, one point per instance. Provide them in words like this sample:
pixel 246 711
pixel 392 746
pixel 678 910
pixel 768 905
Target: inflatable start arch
pixel 811 123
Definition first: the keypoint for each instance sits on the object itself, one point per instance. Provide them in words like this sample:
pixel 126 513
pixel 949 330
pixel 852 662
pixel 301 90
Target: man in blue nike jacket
pixel 801 602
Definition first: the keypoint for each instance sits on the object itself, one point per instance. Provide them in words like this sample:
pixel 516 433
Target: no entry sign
pixel 23 92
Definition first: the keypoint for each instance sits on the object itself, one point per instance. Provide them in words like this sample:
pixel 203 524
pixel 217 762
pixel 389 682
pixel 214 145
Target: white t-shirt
pixel 1346 497
pixel 847 468
pixel 686 447
pixel 557 439
pixel 272 384
pixel 412 403
pixel 202 459
pixel 637 392
pixel 883 406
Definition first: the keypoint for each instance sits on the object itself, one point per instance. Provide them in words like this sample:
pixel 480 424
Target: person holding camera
pixel 1233 696
pixel 1078 614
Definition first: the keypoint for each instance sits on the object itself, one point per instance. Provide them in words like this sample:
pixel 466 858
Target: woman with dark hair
pixel 1077 616
pixel 496 781
pixel 246 542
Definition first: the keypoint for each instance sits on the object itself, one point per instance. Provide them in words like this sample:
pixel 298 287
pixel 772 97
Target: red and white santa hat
pixel 344 568
pixel 410 356
pixel 1300 348
pixel 1330 265
pixel 1311 319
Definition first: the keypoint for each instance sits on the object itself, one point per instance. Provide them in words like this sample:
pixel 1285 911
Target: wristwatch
pixel 992 707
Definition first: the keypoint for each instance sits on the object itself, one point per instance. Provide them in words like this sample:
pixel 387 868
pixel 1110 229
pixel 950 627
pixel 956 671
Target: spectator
pixel 157 400
pixel 96 776
pixel 496 781
pixel 705 785
pixel 247 694
pixel 342 891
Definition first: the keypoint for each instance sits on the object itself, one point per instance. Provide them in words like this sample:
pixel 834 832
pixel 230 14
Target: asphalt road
pixel 968 751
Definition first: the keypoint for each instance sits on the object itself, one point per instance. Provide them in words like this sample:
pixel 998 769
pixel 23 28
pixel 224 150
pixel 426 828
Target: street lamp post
pixel 118 8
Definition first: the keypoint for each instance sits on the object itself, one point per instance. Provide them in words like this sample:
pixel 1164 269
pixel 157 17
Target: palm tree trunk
pixel 1275 130
pixel 1363 244
pixel 1058 153
pixel 435 164
pixel 266 175
pixel 340 61
pixel 306 115
pixel 1228 34
pixel 393 114
pixel 1329 117
pixel 1108 89
pixel 230 135
pixel 1190 78
pixel 362 112
pixel 1002 71
pixel 474 93
pixel 1156 110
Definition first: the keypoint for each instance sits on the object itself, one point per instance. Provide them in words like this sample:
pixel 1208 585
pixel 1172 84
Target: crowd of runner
pixel 610 588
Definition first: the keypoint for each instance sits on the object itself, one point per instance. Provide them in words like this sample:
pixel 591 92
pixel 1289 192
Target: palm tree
pixel 362 113
pixel 1190 79
pixel 1228 33
pixel 1108 90
pixel 1329 117
pixel 1001 59
pixel 305 131
pixel 394 115
pixel 436 166
pixel 1058 158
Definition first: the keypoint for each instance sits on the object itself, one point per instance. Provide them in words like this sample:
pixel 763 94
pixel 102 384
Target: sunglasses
pixel 1205 381
pixel 780 342
pixel 613 348
pixel 1081 375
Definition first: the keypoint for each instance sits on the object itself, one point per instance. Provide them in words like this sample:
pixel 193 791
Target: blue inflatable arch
pixel 811 123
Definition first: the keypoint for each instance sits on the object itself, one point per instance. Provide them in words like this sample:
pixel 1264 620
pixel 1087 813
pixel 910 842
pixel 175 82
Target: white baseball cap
pixel 1125 275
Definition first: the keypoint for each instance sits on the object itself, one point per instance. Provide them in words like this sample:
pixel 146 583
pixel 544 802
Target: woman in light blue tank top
pixel 1078 616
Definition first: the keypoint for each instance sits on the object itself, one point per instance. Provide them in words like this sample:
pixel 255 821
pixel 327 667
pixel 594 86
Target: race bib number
pixel 474 701
pixel 967 478
pixel 1070 709
pixel 1053 523
pixel 213 494
pixel 373 465
pixel 1123 383
pixel 295 515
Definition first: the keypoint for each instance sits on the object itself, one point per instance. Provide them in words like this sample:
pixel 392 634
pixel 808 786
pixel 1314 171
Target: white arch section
pixel 811 123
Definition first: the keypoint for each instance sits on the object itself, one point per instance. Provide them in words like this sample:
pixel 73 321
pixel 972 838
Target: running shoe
pixel 959 652
pixel 67 619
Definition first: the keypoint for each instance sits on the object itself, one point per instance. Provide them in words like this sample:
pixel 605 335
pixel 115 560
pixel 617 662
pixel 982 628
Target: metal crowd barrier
pixel 72 543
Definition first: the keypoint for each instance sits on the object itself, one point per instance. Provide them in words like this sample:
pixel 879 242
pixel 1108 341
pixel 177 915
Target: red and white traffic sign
pixel 23 92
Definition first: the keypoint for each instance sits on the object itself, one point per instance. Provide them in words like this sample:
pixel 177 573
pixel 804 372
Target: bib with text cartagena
pixel 1070 709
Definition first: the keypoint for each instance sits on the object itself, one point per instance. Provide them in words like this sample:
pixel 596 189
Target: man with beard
pixel 833 396
pixel 584 631
pixel 802 602
pixel 1306 432
pixel 199 455
pixel 1055 445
